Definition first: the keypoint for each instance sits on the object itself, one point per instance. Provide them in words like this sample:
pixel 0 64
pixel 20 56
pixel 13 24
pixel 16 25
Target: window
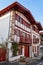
pixel 24 23
pixel 27 24
pixel 34 36
pixel 42 35
pixel 29 36
pixel 17 32
pixel 16 17
pixel 24 34
pixel 33 27
pixel 21 33
pixel 21 20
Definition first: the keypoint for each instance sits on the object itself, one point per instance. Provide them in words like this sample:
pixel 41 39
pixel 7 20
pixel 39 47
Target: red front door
pixel 27 51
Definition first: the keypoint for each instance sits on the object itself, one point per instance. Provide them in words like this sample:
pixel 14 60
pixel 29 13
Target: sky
pixel 35 6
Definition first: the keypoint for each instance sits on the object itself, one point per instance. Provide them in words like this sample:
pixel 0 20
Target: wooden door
pixel 27 51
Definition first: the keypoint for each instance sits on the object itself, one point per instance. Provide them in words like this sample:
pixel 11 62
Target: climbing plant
pixel 14 48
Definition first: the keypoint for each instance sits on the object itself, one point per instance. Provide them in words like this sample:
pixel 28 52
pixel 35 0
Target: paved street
pixel 9 63
pixel 38 62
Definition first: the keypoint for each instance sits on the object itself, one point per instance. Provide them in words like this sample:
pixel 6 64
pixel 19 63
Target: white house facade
pixel 18 25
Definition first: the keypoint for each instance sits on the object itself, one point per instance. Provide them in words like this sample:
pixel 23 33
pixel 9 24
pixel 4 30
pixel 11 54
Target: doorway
pixel 27 51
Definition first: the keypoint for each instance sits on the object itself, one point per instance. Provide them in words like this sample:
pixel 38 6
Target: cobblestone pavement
pixel 9 63
pixel 37 62
pixel 29 62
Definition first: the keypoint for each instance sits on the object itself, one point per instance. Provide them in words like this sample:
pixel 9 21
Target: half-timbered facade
pixel 22 28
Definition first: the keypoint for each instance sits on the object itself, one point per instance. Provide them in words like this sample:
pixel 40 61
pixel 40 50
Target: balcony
pixel 36 40
pixel 25 40
pixel 28 40
pixel 22 39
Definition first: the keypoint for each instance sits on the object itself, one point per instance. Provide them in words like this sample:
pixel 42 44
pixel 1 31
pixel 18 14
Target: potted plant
pixel 22 60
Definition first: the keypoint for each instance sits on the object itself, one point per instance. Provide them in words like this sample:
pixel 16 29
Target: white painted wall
pixel 16 38
pixel 23 51
pixel 10 51
pixel 15 58
pixel 4 27
pixel 30 50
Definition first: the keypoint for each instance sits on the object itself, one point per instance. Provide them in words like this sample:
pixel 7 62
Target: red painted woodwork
pixel 2 54
pixel 22 39
pixel 35 29
pixel 22 21
pixel 25 40
pixel 22 29
pixel 35 40
pixel 28 40
pixel 27 51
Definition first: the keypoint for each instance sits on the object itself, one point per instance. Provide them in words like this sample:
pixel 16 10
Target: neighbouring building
pixel 18 24
pixel 41 42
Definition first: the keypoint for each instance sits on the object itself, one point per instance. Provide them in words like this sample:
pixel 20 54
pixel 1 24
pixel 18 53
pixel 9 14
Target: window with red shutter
pixel 17 17
pixel 24 23
pixel 17 32
pixel 21 33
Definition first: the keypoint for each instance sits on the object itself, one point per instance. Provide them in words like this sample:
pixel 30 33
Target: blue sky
pixel 35 6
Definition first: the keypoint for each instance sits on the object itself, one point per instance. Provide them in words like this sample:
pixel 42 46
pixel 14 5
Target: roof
pixel 39 25
pixel 17 6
